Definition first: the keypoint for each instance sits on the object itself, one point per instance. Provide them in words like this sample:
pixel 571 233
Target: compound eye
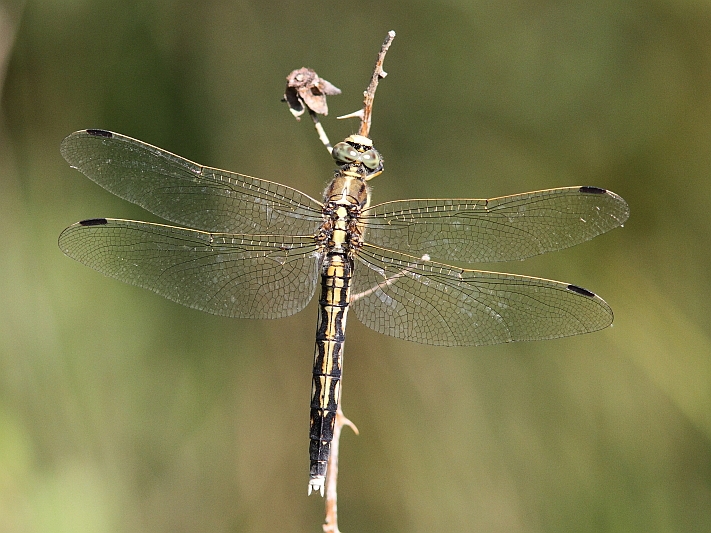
pixel 344 153
pixel 371 159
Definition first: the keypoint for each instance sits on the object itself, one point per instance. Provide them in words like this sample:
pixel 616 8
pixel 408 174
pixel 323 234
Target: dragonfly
pixel 245 247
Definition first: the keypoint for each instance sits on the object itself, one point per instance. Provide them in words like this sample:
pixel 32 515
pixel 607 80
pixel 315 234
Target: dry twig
pixel 369 94
pixel 331 523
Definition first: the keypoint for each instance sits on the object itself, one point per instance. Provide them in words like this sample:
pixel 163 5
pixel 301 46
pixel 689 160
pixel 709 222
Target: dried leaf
pixel 304 89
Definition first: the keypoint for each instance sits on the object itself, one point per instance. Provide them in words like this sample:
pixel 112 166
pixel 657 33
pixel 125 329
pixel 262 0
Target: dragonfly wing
pixel 498 229
pixel 242 276
pixel 433 303
pixel 186 193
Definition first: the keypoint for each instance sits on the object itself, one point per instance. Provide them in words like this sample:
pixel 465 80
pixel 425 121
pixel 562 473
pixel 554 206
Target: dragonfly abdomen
pixel 328 361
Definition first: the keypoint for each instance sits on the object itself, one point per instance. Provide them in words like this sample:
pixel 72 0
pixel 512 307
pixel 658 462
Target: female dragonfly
pixel 257 249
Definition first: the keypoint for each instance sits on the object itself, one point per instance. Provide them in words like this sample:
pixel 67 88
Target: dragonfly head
pixel 357 151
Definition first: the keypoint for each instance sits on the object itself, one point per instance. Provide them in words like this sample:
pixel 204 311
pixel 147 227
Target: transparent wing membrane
pixel 186 193
pixel 254 252
pixel 432 303
pixel 258 249
pixel 242 276
pixel 498 229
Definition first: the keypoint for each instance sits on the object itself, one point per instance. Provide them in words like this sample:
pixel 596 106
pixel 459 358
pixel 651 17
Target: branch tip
pixel 369 95
pixel 355 114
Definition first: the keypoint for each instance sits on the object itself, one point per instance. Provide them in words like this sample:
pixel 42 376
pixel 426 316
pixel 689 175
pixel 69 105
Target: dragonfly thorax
pixel 340 230
pixel 347 188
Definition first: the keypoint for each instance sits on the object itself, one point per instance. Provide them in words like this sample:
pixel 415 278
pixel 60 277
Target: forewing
pixel 242 276
pixel 432 303
pixel 186 193
pixel 498 229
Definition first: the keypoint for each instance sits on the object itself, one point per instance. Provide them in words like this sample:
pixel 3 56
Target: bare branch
pixel 369 95
pixel 331 524
pixel 321 132
pixel 355 114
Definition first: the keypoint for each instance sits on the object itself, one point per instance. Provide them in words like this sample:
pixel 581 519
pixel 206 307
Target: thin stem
pixel 331 524
pixel 369 94
pixel 321 132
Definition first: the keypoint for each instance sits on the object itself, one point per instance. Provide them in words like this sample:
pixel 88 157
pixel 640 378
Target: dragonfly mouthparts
pixel 316 485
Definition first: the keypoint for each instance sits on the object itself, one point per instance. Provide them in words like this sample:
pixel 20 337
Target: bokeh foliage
pixel 122 412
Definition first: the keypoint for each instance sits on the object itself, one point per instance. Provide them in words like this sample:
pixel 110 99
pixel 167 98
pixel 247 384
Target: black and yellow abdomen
pixel 328 360
pixel 339 238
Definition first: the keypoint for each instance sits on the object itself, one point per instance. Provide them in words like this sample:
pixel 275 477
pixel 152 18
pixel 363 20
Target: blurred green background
pixel 123 412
